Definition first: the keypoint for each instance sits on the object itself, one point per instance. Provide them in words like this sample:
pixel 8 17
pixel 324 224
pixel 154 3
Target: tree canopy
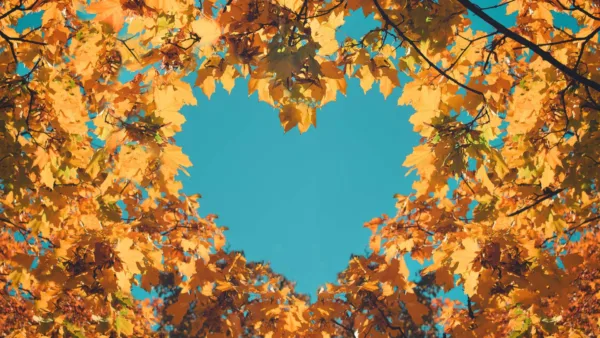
pixel 506 205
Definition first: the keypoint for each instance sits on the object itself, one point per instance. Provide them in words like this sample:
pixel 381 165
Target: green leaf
pixel 523 330
pixel 66 172
pixel 93 169
pixel 123 300
pixel 74 330
pixel 158 139
pixel 123 325
pixel 71 84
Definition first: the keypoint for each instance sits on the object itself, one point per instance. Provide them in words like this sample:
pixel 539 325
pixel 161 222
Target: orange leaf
pixel 109 12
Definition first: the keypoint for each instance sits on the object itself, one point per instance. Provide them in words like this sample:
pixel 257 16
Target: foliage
pixel 506 206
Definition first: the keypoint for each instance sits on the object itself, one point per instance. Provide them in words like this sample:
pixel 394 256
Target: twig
pixel 535 48
pixel 542 198
pixel 401 34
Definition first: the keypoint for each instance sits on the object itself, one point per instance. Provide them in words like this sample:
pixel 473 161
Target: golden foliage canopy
pixel 506 206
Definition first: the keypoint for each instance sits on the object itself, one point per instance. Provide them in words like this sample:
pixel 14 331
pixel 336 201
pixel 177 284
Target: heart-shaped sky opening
pixel 298 201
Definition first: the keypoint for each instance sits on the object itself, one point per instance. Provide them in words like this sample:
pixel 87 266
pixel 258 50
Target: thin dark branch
pixel 498 5
pixel 539 200
pixel 124 42
pixel 546 56
pixel 9 40
pixel 464 50
pixel 401 34
pixel 418 227
pixel 19 8
pixel 326 11
pixel 577 8
pixel 387 322
pixel 572 39
pixel 582 49
pixel 462 176
pixel 343 326
pixel 470 308
pixel 11 47
pixel 589 220
pixel 24 230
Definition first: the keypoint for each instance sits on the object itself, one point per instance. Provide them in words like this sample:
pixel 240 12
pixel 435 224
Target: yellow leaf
pixel 219 241
pixel 207 85
pixel 471 280
pixel 403 268
pixel 483 176
pixel 500 168
pixel 375 243
pixel 95 164
pixel 224 286
pixel 204 253
pixel 366 78
pixel 388 289
pixel 52 15
pixel 421 159
pixel 385 86
pixel 207 289
pixel 228 78
pixel 464 257
pixel 46 177
pixel 130 257
pixel 370 286
pixel 547 176
pixel 292 115
pixel 208 30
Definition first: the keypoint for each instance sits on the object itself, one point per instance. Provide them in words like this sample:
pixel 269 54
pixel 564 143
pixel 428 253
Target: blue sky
pixel 298 201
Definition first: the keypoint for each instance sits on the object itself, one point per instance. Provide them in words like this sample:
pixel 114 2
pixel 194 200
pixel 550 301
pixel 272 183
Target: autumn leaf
pixel 47 177
pixel 110 12
pixel 207 30
pixel 129 256
pixel 297 115
pixel 123 325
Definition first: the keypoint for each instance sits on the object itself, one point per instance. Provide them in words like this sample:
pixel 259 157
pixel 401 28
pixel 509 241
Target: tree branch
pixel 387 322
pixel 577 8
pixel 19 8
pixel 542 198
pixel 498 5
pixel 26 231
pixel 401 34
pixel 470 308
pixel 546 56
pixel 343 326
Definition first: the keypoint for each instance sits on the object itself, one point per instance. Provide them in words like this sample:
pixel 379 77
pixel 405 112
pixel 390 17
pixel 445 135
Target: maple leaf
pixel 131 257
pixel 47 177
pixel 208 30
pixel 110 12
pixel 297 115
